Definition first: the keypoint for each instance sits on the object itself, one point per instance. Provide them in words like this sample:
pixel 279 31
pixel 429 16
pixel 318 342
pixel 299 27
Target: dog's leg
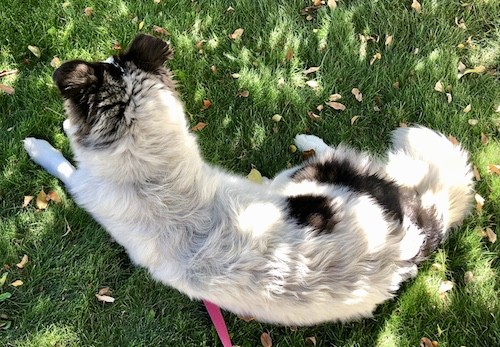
pixel 42 153
pixel 308 142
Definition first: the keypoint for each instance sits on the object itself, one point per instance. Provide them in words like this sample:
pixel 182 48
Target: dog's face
pixel 105 100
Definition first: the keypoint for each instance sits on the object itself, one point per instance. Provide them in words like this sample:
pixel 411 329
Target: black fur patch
pixel 314 211
pixel 341 172
pixel 147 52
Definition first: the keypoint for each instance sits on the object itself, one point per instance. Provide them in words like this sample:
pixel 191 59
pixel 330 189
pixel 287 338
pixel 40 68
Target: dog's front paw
pixel 42 153
pixel 308 142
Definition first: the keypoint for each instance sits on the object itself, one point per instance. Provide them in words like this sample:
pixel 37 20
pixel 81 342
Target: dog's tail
pixel 438 179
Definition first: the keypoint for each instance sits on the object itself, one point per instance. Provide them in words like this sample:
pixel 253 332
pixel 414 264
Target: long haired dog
pixel 326 240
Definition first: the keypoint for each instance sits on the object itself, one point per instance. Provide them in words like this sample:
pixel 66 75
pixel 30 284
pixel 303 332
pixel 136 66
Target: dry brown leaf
pixel 446 286
pixel 494 169
pixel 199 126
pixel 243 93
pixel 335 97
pixel 453 139
pixel 116 46
pixel 438 87
pixel 308 154
pixel 467 108
pixel 17 283
pixel 311 340
pixel 313 84
pixel 425 342
pixel 199 44
pixel 35 50
pixel 276 118
pixel 460 23
pixel 354 119
pixel 236 34
pixel 357 94
pixel 206 104
pixel 484 139
pixel 468 277
pixel 54 197
pixel 266 340
pixel 23 262
pixel 160 31
pixel 479 202
pixel 88 11
pixel 41 200
pixel 449 98
pixel 477 176
pixel 395 85
pixel 104 291
pixel 289 54
pixel 229 9
pixel 477 70
pixel 55 62
pixel 213 68
pixel 388 40
pixel 105 298
pixel 316 2
pixel 320 107
pixel 27 200
pixel 312 69
pixel 4 73
pixel 416 6
pixel 377 56
pixel 7 89
pixel 491 235
pixel 313 116
pixel 246 319
pixel 336 105
pixel 332 4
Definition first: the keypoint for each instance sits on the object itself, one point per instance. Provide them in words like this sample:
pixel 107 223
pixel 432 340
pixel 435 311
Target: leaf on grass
pixel 479 202
pixel 354 119
pixel 293 148
pixel 53 196
pixel 243 94
pixel 116 46
pixel 156 1
pixel 498 109
pixel 312 69
pixel 416 6
pixel 246 319
pixel 235 75
pixel 313 116
pixel 376 56
pixel 236 34
pixel 467 108
pixel 27 200
pixel 316 2
pixel 41 200
pixel 484 139
pixel 276 118
pixel 213 68
pixel 17 283
pixel 335 97
pixel 4 73
pixel 320 107
pixel 104 291
pixel 88 11
pixel 357 94
pixel 472 122
pixel 477 176
pixel 388 40
pixel 141 25
pixel 5 296
pixel 395 85
pixel 199 126
pixel 3 278
pixel 308 154
pixel 206 104
pixel 336 105
pixel 446 286
pixel 55 62
pixel 332 4
pixel 477 70
pixel 266 340
pixel 461 67
pixel 105 298
pixel 289 54
pixel 438 87
pixel 494 169
pixel 160 31
pixel 311 341
pixel 491 235
pixel 35 50
pixel 460 23
pixel 449 98
pixel 23 262
pixel 255 176
pixel 313 84
pixel 468 277
pixel 453 140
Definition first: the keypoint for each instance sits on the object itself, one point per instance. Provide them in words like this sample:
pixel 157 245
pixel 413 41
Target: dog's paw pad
pixel 36 148
pixel 308 142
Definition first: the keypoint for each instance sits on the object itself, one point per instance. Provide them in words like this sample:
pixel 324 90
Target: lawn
pixel 395 54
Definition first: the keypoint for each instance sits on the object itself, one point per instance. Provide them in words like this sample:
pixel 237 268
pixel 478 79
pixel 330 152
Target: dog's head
pixel 104 101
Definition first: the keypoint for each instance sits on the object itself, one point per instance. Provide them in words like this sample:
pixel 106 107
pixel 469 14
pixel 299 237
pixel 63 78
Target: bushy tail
pixel 436 169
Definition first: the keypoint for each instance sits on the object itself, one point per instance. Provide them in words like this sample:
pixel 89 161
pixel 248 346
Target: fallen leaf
pixel 41 200
pixel 468 277
pixel 23 262
pixel 312 69
pixel 316 2
pixel 311 340
pixel 438 87
pixel 357 94
pixel 116 46
pixel 498 109
pixel 55 62
pixel 213 68
pixel 320 107
pixel 235 75
pixel 308 154
pixel 7 89
pixel 477 176
pixel 376 108
pixel 35 50
pixel 199 126
pixel 334 97
pixel 388 40
pixel 27 200
pixel 3 278
pixel 160 31
pixel 467 108
pixel 246 319
pixel 332 4
pixel 309 17
pixel 453 140
pixel 17 283
pixel 266 340
pixel 461 23
pixel 313 116
pixel 141 25
pixel 449 98
pixel 336 105
pixel 403 125
pixel 199 44
pixel 281 81
pixel 377 56
pixel 88 11
pixel 66 4
pixel 491 235
pixel 236 34
pixel 479 202
pixel 435 344
pixel 4 73
pixel 416 6
pixel 395 85
pixel 104 298
pixel 461 67
pixel 446 286
pixel 293 148
pixel 477 70
pixel 243 94
pixel 276 118
pixel 437 266
pixel 255 176
pixel 206 104
pixel 484 139
pixel 104 291
pixel 313 84
pixel 494 169
pixel 156 1
pixel 229 9
pixel 425 342
pixel 54 197
pixel 354 119
pixel 289 54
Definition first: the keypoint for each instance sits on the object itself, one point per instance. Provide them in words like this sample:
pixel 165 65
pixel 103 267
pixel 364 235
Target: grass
pixel 71 257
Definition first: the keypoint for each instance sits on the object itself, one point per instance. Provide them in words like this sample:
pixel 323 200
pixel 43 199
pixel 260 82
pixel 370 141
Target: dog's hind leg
pixel 42 153
pixel 308 142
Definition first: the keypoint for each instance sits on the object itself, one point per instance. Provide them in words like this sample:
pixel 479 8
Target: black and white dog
pixel 327 240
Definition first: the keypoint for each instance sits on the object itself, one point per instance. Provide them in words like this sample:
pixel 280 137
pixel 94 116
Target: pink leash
pixel 218 321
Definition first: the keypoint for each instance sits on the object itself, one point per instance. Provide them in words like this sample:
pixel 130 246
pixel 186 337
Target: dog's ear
pixel 74 76
pixel 147 52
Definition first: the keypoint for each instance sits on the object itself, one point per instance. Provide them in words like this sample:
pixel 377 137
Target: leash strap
pixel 218 321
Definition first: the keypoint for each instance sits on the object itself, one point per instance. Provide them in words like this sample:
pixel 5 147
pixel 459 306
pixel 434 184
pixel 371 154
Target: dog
pixel 327 240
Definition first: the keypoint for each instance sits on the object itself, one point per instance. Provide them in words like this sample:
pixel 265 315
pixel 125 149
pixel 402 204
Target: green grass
pixel 56 305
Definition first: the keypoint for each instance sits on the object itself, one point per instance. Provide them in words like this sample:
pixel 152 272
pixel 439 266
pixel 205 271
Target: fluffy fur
pixel 326 240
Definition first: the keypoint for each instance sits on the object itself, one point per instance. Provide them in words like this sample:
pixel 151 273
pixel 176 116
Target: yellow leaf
pixel 332 4
pixel 467 108
pixel 27 200
pixel 266 340
pixel 276 118
pixel 354 119
pixel 461 23
pixel 494 169
pixel 336 105
pixel 156 1
pixel 377 56
pixel 491 235
pixel 55 62
pixel 416 6
pixel 23 262
pixel 438 87
pixel 41 200
pixel 17 283
pixel 54 197
pixel 213 68
pixel 357 94
pixel 255 176
pixel 199 126
pixel 35 50
pixel 141 25
pixel 104 298
pixel 236 34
